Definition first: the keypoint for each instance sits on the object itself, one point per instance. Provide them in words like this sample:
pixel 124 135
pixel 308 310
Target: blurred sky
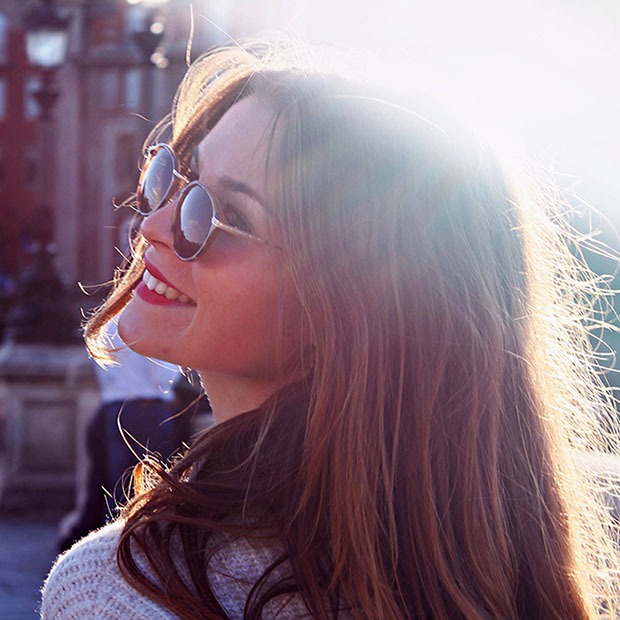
pixel 540 74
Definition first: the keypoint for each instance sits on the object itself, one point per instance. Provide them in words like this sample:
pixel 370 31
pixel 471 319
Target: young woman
pixel 392 337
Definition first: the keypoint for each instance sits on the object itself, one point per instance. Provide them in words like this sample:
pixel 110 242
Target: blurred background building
pixel 70 137
pixel 82 84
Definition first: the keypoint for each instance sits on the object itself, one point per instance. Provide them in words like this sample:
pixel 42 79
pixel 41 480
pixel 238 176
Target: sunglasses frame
pixel 181 185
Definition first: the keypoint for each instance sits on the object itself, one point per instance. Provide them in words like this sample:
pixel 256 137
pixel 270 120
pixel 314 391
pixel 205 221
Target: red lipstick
pixel 161 292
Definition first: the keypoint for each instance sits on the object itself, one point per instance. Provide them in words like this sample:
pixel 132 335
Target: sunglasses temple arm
pixel 235 231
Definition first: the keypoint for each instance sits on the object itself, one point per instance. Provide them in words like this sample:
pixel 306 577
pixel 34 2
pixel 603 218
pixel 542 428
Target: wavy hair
pixel 426 464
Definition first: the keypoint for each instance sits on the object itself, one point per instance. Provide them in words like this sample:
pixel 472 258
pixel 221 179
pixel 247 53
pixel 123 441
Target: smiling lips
pixel 163 289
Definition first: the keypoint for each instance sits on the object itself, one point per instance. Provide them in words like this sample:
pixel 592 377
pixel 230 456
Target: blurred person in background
pixel 393 337
pixel 135 418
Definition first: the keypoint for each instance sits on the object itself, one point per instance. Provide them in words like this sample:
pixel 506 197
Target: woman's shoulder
pixel 85 582
pixel 238 565
pixel 235 571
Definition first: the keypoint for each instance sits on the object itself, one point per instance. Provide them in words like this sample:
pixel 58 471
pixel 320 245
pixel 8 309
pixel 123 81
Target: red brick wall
pixel 18 150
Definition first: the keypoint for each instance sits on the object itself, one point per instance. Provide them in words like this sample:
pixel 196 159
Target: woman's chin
pixel 125 330
pixel 146 336
pixel 134 332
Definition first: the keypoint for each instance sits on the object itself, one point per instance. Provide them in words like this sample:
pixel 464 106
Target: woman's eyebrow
pixel 235 185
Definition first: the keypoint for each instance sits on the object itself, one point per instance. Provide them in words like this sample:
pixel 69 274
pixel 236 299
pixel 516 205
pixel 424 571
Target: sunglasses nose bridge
pixel 193 210
pixel 157 226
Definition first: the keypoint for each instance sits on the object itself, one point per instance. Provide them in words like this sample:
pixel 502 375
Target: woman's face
pixel 222 316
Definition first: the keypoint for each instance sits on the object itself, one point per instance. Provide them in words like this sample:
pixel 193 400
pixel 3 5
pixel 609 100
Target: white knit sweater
pixel 85 583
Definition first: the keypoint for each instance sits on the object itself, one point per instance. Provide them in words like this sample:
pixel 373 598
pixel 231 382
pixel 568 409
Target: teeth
pixel 172 293
pixel 149 280
pixel 160 288
pixel 153 284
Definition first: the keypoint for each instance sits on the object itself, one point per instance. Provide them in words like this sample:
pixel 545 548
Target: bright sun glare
pixel 539 73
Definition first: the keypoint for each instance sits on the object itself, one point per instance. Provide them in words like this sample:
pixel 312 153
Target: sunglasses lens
pixel 156 181
pixel 192 221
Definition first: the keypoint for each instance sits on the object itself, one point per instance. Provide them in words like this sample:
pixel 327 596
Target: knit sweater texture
pixel 85 582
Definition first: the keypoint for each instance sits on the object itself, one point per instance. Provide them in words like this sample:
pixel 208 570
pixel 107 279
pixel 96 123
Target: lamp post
pixel 42 311
pixel 47 35
pixel 147 34
pixel 149 38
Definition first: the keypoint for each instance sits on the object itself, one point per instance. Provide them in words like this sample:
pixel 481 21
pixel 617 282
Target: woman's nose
pixel 157 227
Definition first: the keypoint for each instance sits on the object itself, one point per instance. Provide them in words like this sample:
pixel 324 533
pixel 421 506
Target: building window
pixel 31 107
pixel 108 89
pixel 4 39
pixel 133 88
pixel 127 159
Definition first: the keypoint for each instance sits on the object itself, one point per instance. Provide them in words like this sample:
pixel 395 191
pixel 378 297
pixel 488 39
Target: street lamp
pixel 47 35
pixel 42 311
pixel 148 39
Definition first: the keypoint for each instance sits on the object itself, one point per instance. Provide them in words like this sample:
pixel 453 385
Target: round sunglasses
pixel 197 217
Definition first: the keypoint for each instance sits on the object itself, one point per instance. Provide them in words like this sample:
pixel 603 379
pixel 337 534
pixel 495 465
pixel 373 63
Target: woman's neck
pixel 230 396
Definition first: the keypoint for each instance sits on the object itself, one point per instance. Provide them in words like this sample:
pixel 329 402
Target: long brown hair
pixel 426 463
